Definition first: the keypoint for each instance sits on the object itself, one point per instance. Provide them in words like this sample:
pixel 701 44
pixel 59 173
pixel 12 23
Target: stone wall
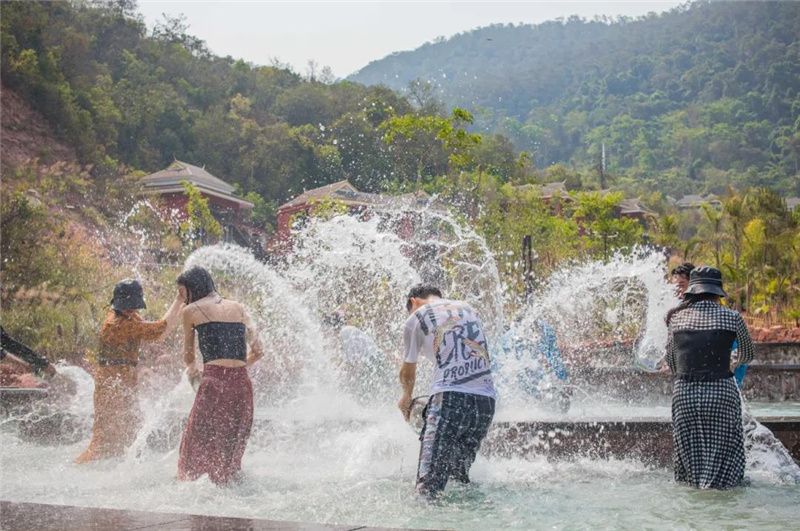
pixel 774 376
pixel 649 440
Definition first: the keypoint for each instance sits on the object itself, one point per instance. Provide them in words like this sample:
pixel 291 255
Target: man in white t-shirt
pixel 461 406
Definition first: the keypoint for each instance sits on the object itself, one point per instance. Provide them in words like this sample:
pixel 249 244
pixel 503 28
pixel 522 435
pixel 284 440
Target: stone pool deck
pixel 37 516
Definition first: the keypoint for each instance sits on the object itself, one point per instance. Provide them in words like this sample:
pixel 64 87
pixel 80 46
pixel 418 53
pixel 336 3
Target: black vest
pixel 703 355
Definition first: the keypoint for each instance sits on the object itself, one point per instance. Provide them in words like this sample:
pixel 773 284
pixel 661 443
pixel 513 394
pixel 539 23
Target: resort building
pixel 232 212
pixel 340 193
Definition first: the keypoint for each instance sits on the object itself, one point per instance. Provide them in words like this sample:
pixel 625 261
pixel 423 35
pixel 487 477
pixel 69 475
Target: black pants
pixel 455 425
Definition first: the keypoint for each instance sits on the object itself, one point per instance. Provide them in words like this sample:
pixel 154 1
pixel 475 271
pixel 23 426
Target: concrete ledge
pixel 648 439
pixel 28 516
pixel 770 382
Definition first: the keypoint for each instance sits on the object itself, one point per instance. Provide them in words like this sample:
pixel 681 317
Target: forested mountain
pixel 129 98
pixel 702 96
pixel 695 100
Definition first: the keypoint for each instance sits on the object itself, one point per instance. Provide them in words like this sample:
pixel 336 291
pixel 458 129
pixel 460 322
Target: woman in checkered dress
pixel 706 406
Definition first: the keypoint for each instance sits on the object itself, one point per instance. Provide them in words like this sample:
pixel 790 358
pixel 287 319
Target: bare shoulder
pixel 188 313
pixel 241 311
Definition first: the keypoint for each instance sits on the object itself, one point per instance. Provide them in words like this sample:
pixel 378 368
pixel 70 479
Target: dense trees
pixel 123 96
pixel 751 235
pixel 698 98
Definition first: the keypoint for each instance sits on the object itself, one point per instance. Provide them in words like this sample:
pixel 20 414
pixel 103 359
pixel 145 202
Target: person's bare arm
pixel 746 348
pixel 158 330
pixel 173 315
pixel 188 343
pixel 256 350
pixel 408 378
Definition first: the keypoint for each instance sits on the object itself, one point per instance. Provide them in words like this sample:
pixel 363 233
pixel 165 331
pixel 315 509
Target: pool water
pixel 322 460
pixel 505 493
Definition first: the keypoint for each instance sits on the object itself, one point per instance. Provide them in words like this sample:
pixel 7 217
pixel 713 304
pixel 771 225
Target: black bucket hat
pixel 706 279
pixel 128 295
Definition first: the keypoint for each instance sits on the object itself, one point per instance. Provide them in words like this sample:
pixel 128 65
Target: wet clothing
pixel 219 425
pixel 548 346
pixel 461 406
pixel 14 347
pixel 707 316
pixel 741 370
pixel 366 370
pixel 708 435
pixel 533 358
pixel 450 333
pixel 455 425
pixel 706 407
pixel 358 346
pixel 219 340
pixel 116 407
pixel 739 375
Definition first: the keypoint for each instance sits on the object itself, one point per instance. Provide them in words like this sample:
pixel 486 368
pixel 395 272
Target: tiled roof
pixel 182 171
pixel 694 200
pixel 337 188
pixel 633 206
pixel 548 190
pixel 170 178
pixel 346 193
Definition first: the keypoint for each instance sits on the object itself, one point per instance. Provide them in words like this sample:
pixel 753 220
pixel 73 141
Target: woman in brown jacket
pixel 116 406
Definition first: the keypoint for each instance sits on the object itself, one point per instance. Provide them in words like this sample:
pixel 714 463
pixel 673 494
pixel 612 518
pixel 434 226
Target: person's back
pixel 221 330
pixel 450 334
pixel 461 406
pixel 116 408
pixel 219 424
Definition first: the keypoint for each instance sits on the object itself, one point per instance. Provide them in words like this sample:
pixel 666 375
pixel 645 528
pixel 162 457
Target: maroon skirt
pixel 219 425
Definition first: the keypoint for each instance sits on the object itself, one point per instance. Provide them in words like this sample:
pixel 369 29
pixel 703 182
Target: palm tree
pixel 715 217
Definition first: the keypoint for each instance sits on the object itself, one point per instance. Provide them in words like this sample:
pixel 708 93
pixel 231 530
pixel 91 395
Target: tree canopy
pixel 125 96
pixel 692 100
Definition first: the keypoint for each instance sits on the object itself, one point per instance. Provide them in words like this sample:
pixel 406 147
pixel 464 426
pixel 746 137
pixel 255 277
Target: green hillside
pixel 697 98
pixel 128 98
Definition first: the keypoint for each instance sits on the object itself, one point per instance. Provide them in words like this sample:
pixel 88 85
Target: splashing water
pixel 318 444
pixel 622 300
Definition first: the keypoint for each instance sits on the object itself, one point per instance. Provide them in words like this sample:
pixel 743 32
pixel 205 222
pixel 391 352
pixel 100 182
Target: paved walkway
pixel 41 517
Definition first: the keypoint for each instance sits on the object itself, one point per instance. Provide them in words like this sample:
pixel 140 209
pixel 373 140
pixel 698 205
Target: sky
pixel 346 36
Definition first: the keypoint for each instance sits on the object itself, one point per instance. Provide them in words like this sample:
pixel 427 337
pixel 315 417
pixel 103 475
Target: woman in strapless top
pixel 219 424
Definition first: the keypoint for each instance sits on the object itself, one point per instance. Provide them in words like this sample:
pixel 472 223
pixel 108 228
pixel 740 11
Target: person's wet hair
pixel 422 291
pixel 198 283
pixel 685 269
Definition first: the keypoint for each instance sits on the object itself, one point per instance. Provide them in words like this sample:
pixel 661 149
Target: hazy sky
pixel 348 35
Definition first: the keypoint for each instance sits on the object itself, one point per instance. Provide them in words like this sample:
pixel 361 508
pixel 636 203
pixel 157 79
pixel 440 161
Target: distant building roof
pixel 170 178
pixel 792 203
pixel 632 206
pixel 346 193
pixel 695 201
pixel 547 190
pixel 319 193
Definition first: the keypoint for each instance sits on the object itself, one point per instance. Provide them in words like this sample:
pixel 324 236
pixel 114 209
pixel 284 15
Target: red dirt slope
pixel 26 135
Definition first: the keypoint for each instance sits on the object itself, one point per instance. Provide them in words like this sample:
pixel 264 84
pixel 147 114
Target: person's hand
pixel 252 358
pixel 663 368
pixel 182 296
pixel 192 372
pixel 405 406
pixel 49 371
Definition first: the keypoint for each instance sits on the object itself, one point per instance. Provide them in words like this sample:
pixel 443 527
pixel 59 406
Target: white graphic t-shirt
pixel 450 334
